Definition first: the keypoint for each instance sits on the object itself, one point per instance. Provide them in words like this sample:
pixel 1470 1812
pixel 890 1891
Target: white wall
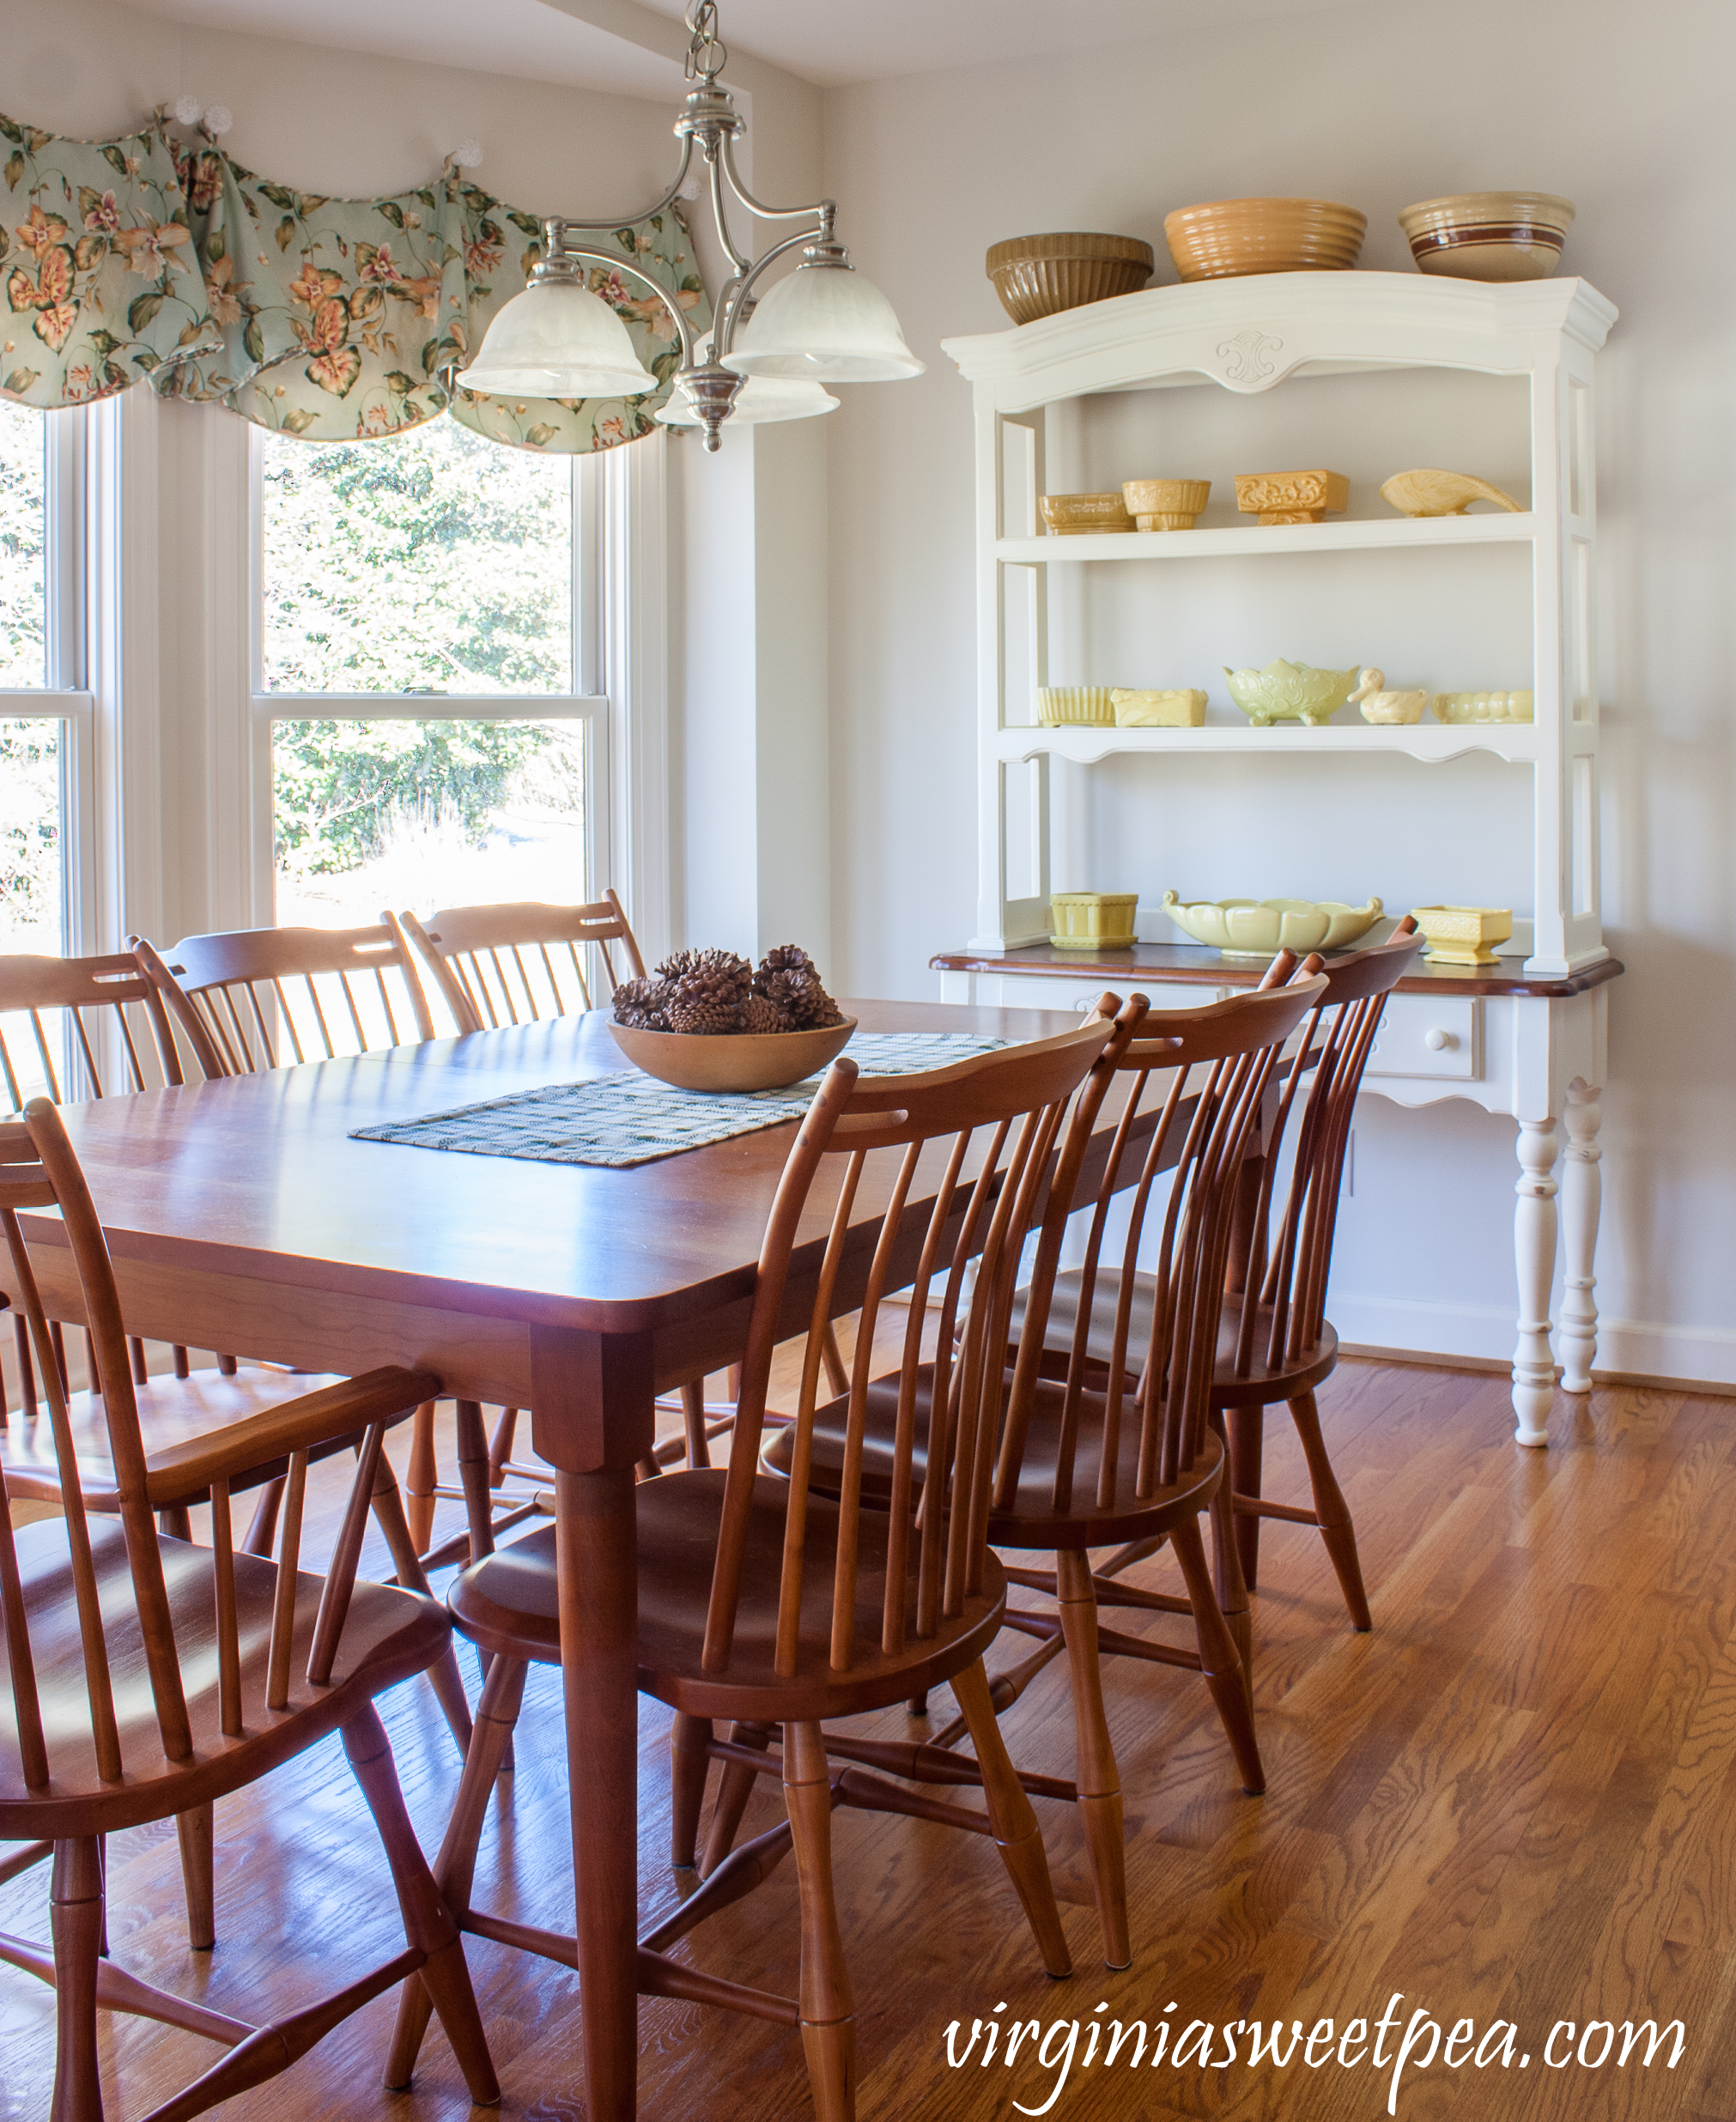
pixel 1379 105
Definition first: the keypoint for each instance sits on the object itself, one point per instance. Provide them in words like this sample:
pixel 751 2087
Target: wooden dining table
pixel 241 1215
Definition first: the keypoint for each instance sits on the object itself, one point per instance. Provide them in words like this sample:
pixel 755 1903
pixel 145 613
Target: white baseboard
pixel 1629 1348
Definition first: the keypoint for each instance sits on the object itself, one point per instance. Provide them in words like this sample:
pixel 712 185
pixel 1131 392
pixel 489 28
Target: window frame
pixel 588 703
pixel 66 697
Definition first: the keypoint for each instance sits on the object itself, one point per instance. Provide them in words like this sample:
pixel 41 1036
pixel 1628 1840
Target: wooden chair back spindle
pixel 887 1133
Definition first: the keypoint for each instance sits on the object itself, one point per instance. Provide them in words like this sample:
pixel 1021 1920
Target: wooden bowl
pixel 1041 276
pixel 732 1061
pixel 1230 237
pixel 1488 235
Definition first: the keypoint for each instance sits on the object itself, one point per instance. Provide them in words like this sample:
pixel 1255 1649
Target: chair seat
pixel 388 1636
pixel 1032 1520
pixel 506 1603
pixel 172 1411
pixel 1261 1385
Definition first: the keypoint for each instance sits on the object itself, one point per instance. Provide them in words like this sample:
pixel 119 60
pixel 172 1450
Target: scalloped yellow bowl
pixel 1260 928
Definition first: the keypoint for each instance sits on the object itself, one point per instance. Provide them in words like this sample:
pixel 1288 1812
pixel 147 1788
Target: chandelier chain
pixel 706 53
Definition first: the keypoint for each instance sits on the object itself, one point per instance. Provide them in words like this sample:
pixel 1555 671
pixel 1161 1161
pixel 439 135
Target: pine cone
pixel 785 958
pixel 707 990
pixel 642 1005
pixel 761 1016
pixel 799 999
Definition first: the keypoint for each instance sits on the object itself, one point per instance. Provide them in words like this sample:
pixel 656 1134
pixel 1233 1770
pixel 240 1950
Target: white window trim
pixel 66 698
pixel 621 627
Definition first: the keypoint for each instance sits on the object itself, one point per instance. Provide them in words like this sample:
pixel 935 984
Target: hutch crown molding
pixel 1527 1042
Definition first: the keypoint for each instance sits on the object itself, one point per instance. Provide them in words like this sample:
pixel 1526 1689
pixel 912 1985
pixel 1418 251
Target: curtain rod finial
pixel 468 154
pixel 218 121
pixel 186 110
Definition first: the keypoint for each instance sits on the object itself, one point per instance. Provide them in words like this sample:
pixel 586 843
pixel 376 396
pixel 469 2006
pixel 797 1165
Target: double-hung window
pixel 45 715
pixel 424 655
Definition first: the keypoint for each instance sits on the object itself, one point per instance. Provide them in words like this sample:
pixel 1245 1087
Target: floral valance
pixel 323 317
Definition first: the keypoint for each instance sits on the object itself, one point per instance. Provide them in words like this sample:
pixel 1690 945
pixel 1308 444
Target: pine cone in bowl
pixel 708 990
pixel 643 1004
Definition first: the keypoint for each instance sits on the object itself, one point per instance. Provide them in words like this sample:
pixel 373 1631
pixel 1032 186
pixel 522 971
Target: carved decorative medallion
pixel 1247 358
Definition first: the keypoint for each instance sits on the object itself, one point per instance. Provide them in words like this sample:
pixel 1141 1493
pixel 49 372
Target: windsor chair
pixel 79 1026
pixel 1275 1343
pixel 759 1601
pixel 147 1677
pixel 1111 1447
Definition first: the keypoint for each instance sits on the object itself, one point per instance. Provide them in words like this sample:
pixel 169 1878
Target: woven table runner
pixel 632 1119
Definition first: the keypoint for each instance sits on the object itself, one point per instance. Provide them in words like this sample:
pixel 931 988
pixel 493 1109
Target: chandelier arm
pixel 739 263
pixel 824 211
pixel 625 265
pixel 668 198
pixel 724 332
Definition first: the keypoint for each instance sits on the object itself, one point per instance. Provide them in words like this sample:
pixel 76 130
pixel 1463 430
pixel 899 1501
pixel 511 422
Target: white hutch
pixel 1525 1037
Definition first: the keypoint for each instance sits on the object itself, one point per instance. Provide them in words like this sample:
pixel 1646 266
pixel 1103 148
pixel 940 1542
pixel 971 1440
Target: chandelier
pixel 764 360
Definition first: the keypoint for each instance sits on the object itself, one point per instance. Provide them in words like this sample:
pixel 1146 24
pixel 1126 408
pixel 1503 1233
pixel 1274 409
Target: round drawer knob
pixel 1438 1042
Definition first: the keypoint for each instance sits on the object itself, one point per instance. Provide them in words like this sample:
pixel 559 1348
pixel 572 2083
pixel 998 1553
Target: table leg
pixel 591 1402
pixel 1534 1245
pixel 595 1569
pixel 1581 1200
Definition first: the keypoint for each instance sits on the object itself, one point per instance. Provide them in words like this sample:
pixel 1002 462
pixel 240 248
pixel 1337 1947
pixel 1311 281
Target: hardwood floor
pixel 1514 1801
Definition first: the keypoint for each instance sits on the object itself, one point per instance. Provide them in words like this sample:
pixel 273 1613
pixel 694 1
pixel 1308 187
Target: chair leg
pixel 444 1676
pixel 501 1445
pixel 427 1921
pixel 689 1764
pixel 175 1523
pixel 1246 1440
pixel 1016 1833
pixel 262 1531
pixel 194 1829
pixel 455 1865
pixel 829 2012
pixel 1095 1775
pixel 1219 1659
pixel 76 1901
pixel 473 1476
pixel 141 1369
pixel 422 1474
pixel 1332 1511
pixel 734 1789
pixel 182 1367
pixel 1227 1581
pixel 693 1420
pixel 227 1366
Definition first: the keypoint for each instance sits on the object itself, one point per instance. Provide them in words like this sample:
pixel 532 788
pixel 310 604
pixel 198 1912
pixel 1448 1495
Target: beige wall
pixel 1621 109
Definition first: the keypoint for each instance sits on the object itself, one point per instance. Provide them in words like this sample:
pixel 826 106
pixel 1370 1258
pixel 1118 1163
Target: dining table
pixel 243 1214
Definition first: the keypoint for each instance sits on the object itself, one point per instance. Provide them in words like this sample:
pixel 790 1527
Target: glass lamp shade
pixel 558 340
pixel 761 400
pixel 828 324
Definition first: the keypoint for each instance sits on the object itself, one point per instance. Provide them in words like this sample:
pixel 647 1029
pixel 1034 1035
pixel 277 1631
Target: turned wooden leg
pixel 1016 1833
pixel 693 1418
pixel 501 1445
pixel 1246 1440
pixel 455 1865
pixel 473 1476
pixel 735 1787
pixel 829 2012
pixel 444 1676
pixel 1533 1247
pixel 1231 1584
pixel 1095 1775
pixel 689 1765
pixel 75 1916
pixel 1219 1659
pixel 196 1830
pixel 423 1472
pixel 427 1921
pixel 262 1530
pixel 1581 1200
pixel 1332 1511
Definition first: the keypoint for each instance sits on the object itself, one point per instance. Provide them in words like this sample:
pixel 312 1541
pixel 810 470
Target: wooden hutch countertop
pixel 1199 962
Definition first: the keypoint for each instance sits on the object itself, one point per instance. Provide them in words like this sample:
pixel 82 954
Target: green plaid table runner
pixel 632 1119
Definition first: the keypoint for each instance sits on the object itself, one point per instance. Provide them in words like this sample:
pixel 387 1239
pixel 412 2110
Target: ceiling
pixel 635 46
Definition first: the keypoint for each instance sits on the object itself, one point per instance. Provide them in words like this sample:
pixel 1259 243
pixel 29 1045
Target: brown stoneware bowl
pixel 732 1061
pixel 1041 276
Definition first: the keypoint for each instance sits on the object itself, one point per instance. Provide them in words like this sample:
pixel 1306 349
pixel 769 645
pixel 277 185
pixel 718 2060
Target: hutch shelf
pixel 1529 1042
